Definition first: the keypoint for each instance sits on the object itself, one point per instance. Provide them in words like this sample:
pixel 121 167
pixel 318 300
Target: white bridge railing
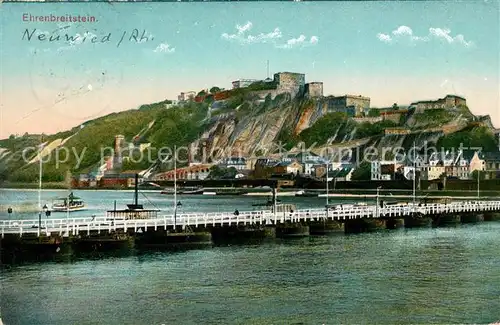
pixel 67 226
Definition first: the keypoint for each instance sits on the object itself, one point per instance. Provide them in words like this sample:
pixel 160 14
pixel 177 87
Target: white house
pixel 240 163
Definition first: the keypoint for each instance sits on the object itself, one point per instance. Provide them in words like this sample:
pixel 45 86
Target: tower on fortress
pixel 290 82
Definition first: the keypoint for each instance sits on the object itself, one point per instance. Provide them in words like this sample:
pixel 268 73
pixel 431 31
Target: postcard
pixel 236 127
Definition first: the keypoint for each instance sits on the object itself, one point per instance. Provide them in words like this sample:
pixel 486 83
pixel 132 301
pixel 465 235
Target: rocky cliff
pixel 264 129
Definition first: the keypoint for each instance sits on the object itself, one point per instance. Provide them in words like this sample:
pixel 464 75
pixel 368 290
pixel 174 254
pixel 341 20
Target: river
pixel 440 275
pixel 24 203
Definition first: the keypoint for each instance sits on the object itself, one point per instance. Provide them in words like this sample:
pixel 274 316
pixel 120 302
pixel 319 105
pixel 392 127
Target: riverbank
pixel 61 186
pixel 259 191
pixel 26 186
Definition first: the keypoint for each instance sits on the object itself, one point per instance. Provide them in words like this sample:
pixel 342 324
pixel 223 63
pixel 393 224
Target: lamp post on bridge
pixel 47 214
pixel 46 211
pixel 39 222
pixel 175 187
pixel 327 190
pixel 414 175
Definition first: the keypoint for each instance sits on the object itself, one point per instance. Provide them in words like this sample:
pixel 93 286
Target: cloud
pixel 384 37
pixel 164 48
pixel 244 28
pixel 444 34
pixel 242 36
pixel 403 30
pixel 406 33
pixel 300 41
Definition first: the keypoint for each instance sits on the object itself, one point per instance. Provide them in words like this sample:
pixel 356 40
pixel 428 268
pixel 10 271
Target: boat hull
pixel 64 209
pixel 179 192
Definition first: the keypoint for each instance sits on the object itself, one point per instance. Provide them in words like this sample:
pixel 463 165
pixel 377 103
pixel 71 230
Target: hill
pixel 244 124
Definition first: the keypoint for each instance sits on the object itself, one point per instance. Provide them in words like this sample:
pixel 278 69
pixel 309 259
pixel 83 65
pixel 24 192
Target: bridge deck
pixel 65 226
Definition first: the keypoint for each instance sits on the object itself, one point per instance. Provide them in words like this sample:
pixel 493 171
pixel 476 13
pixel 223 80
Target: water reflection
pixel 417 276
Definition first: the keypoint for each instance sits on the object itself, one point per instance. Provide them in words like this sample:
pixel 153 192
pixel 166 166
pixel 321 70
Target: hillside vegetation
pixel 243 122
pixel 173 126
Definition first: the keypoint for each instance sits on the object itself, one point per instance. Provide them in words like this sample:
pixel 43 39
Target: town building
pixel 383 169
pixel 446 158
pixel 492 165
pixel 393 115
pixel 222 95
pixel 432 172
pixel 307 159
pixel 172 103
pixel 350 104
pixel 186 96
pixel 288 167
pixel 341 174
pixel 397 131
pixel 475 160
pixel 451 164
pixel 240 163
pixel 409 172
pixel 450 101
pixel 124 179
pixel 264 167
pixel 194 172
pixel 457 171
pixel 84 181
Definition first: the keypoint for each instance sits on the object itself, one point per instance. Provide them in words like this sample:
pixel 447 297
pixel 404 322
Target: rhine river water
pixel 440 275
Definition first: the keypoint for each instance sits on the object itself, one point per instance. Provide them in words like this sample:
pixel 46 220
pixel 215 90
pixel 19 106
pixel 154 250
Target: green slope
pixel 173 126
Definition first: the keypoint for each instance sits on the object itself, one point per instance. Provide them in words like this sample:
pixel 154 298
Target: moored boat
pixel 306 194
pixel 185 191
pixel 134 210
pixel 69 203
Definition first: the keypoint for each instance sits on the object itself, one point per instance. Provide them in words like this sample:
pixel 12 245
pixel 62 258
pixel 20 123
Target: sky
pixel 392 52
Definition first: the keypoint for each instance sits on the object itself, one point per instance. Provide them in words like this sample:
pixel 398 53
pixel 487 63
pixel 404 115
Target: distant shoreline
pixel 55 187
pixel 338 193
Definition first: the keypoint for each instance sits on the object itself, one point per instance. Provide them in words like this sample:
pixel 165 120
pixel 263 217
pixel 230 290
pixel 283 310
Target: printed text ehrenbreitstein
pixel 51 18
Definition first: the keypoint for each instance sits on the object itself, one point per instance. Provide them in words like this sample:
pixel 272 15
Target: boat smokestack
pixel 136 194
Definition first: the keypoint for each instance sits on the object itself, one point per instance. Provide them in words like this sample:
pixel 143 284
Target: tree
pixel 478 137
pixel 214 89
pixel 482 174
pixel 231 172
pixel 323 129
pixel 362 172
pixel 395 107
pixel 373 112
pixel 389 155
pixel 216 172
pixel 202 93
pixel 209 100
